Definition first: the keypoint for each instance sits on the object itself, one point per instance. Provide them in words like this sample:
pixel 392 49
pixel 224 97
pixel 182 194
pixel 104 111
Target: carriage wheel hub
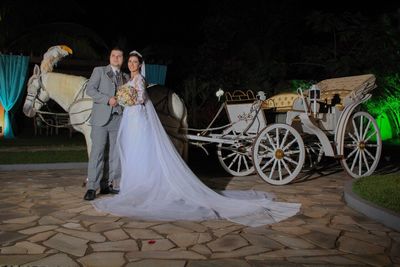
pixel 242 149
pixel 279 154
pixel 361 145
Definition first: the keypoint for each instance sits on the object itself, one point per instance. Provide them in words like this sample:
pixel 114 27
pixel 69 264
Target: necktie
pixel 118 78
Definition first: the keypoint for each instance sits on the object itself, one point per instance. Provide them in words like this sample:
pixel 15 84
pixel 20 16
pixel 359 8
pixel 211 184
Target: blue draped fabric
pixel 13 71
pixel 156 73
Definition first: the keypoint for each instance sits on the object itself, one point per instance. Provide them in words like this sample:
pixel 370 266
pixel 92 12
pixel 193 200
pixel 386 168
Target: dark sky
pixel 143 22
pixel 180 24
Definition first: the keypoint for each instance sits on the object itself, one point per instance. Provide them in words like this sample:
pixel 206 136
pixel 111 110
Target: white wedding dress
pixel 156 183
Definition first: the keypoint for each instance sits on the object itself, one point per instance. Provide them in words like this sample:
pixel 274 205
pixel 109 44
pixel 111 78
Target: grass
pixel 40 140
pixel 43 157
pixel 382 190
pixel 52 149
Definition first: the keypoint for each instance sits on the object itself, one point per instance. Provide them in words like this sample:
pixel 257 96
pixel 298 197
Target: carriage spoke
pixel 270 141
pixel 267 163
pixel 350 145
pixel 361 127
pixel 229 156
pixel 245 162
pixel 360 163
pixel 366 140
pixel 286 166
pixel 355 127
pixel 280 170
pixel 355 159
pixel 284 138
pixel 272 169
pixel 365 160
pixel 291 161
pixel 277 137
pixel 351 154
pixel 371 145
pixel 366 129
pixel 239 163
pixel 293 152
pixel 369 154
pixel 233 161
pixel 266 148
pixel 268 155
pixel 288 145
pixel 353 137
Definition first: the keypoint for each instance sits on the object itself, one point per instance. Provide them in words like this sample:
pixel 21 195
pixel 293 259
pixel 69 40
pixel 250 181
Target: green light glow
pixel 384 127
pixel 386 107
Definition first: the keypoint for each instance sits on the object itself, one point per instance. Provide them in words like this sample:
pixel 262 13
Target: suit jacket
pixel 101 86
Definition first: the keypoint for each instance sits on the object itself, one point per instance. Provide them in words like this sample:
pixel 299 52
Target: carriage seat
pixel 281 102
pixel 346 88
pixel 239 96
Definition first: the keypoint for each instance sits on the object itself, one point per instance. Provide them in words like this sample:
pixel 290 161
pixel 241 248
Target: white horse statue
pixel 69 91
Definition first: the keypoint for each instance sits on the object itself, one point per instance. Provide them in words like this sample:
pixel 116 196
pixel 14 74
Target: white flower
pixel 219 93
pixel 261 95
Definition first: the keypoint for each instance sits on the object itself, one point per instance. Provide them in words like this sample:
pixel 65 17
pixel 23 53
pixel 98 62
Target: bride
pixel 156 183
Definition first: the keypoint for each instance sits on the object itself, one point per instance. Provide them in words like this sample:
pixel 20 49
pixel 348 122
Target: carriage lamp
pixel 315 94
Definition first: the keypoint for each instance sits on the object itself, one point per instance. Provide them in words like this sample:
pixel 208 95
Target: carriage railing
pixel 245 121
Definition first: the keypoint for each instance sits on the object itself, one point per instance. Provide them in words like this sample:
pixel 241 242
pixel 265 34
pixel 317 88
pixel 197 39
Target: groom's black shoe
pixel 90 194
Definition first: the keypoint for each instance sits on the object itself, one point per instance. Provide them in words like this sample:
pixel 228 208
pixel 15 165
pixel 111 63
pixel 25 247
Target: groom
pixel 105 120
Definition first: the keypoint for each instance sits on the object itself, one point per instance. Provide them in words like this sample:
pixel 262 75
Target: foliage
pixel 41 25
pixel 382 190
pixel 44 141
pixel 199 98
pixel 277 43
pixel 51 156
pixel 387 102
pixel 303 84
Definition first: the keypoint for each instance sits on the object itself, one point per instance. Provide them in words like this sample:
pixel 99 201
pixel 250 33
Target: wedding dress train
pixel 156 183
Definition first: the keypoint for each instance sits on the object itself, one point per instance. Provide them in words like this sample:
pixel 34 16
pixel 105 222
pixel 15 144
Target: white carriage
pixel 276 136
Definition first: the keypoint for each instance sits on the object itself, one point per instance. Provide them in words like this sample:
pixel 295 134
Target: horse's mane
pixel 66 85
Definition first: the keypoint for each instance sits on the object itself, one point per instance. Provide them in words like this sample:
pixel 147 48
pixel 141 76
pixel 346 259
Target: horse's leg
pixel 184 131
pixel 85 130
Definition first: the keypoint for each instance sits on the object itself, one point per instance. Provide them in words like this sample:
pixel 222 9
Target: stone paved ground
pixel 45 222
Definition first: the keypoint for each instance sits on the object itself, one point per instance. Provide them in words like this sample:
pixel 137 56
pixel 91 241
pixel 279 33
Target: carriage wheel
pixel 362 145
pixel 314 154
pixel 235 159
pixel 278 154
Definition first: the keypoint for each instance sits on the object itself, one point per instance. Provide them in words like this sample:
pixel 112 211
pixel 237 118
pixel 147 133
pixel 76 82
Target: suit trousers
pixel 99 136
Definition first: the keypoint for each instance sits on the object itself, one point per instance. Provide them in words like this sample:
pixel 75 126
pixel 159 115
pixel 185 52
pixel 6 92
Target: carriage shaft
pixel 211 139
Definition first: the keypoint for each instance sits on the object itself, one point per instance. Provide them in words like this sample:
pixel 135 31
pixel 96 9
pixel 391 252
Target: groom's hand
pixel 113 101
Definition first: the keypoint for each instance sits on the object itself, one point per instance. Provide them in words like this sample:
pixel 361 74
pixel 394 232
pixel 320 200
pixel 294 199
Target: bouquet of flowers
pixel 126 95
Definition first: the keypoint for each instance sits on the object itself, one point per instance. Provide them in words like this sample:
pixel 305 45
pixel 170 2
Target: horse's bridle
pixel 36 97
pixel 79 97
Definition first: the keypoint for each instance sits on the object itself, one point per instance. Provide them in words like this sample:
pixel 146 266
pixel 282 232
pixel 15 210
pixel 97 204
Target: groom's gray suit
pixel 105 122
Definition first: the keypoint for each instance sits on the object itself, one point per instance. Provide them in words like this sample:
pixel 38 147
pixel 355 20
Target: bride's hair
pixel 135 53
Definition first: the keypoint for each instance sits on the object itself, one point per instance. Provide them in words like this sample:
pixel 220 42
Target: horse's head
pixel 37 96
